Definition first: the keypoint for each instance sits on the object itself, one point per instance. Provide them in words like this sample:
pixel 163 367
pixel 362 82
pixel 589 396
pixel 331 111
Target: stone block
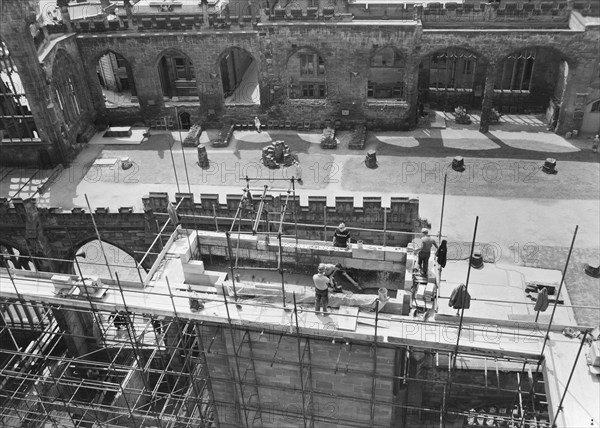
pixel 395 255
pixel 369 252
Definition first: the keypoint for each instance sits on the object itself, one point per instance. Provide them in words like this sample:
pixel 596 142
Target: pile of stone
pixel 193 137
pixel 224 136
pixel 276 155
pixel 358 138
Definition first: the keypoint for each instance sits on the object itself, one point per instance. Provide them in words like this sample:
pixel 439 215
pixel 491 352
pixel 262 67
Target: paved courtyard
pixel 526 217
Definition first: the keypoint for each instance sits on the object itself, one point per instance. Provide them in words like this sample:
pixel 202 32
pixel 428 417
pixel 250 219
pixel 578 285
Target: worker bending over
pixel 330 270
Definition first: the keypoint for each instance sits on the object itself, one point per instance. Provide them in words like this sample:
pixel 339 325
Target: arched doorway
pixel 452 77
pixel 591 119
pixel 185 120
pixel 239 77
pixel 116 78
pixel 89 258
pixel 177 76
pixel 527 79
pixel 44 159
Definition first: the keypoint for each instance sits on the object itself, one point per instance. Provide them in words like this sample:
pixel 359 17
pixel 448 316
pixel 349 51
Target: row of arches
pixel 526 78
pixel 523 81
pixel 238 74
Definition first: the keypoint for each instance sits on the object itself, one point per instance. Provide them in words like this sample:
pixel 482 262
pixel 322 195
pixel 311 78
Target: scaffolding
pixel 139 361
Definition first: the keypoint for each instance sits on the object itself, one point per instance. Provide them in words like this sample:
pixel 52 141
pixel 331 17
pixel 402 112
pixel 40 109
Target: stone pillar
pixel 36 239
pixel 571 104
pixel 203 161
pixel 205 12
pixel 411 80
pixel 81 333
pixel 129 11
pixel 488 97
pixel 418 12
pixel 64 11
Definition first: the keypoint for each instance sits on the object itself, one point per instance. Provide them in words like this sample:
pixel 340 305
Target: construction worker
pixel 341 237
pixel 330 270
pixel 425 251
pixel 322 284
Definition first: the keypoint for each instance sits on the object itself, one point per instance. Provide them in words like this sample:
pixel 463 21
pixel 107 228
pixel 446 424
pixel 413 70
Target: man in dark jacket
pixel 460 298
pixel 341 237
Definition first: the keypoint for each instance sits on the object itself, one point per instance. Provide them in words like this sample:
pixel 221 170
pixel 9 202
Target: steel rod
pixel 186 352
pixel 300 361
pixel 231 267
pixel 374 374
pixel 172 158
pixel 187 177
pixel 562 281
pixel 237 363
pixel 98 236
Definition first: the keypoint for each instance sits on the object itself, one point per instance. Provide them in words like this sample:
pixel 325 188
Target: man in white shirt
pixel 425 252
pixel 322 284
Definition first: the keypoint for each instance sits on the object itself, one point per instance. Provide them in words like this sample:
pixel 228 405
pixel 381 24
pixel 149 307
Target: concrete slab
pixel 580 407
pixel 498 295
pixel 137 137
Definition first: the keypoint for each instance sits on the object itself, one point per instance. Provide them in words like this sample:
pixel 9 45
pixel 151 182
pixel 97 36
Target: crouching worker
pixel 330 271
pixel 322 284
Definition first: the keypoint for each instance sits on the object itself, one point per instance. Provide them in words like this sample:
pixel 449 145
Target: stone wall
pixel 402 215
pixel 44 232
pixel 345 49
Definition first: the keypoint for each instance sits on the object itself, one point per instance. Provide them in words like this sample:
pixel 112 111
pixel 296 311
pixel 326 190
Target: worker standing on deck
pixel 330 270
pixel 322 284
pixel 425 251
pixel 341 237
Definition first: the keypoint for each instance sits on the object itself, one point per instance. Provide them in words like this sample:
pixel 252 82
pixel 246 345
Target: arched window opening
pixel 65 87
pixel 530 80
pixel 16 119
pixel 177 76
pixel 239 77
pixel 450 78
pixel 116 78
pixel 15 259
pixel 306 70
pixel 386 76
pixel 90 260
pixel 516 72
pixel 453 69
pixel 595 107
pixel 185 121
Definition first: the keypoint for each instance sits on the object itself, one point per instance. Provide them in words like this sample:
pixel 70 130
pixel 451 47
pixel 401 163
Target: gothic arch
pixel 239 73
pixel 177 74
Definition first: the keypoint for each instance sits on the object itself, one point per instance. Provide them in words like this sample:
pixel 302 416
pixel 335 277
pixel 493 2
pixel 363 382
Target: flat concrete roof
pixel 498 294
